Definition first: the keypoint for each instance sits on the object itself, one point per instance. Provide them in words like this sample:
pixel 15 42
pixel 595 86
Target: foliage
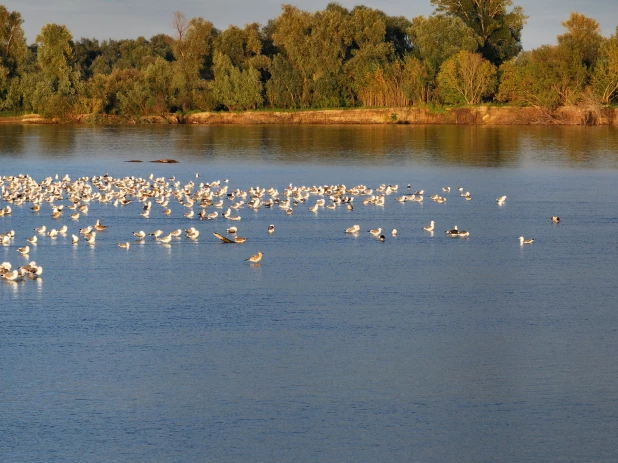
pixel 466 78
pixel 334 57
pixel 499 30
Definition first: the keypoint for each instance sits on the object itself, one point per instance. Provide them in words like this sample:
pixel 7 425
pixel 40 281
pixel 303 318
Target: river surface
pixel 335 347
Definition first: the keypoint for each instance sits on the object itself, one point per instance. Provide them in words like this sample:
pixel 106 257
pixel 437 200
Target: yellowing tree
pixel 466 78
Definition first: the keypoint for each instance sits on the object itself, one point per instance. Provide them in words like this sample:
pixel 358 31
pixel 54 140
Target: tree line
pixel 465 53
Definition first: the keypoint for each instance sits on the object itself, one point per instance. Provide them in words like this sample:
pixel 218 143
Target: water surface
pixel 335 348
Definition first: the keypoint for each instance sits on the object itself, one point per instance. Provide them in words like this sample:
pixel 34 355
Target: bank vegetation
pixel 463 63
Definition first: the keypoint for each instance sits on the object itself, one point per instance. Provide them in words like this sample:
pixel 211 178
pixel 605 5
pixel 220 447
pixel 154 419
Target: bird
pixel 239 240
pixel 124 245
pixel 32 240
pixel 23 251
pixel 453 231
pixel 353 229
pixel 463 234
pixel 74 239
pixel 166 239
pixel 223 238
pixel 271 228
pixel 375 232
pixel 555 219
pixel 382 238
pixel 140 235
pixel 156 233
pixel 41 229
pixel 523 240
pixel 501 200
pixel 176 233
pixel 430 227
pixel 99 226
pixel 394 232
pixel 255 258
pixel 232 230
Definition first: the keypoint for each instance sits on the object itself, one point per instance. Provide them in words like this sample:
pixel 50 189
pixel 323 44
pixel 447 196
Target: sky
pixel 129 19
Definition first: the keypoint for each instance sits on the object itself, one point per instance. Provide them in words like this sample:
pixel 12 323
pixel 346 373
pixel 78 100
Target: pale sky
pixel 126 19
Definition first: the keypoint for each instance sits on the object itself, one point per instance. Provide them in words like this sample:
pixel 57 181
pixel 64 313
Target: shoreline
pixel 476 115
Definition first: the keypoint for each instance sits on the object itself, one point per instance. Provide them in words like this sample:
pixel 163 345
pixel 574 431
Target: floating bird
pixel 375 232
pixel 223 238
pixel 255 258
pixel 430 227
pixel 166 239
pixel 394 232
pixel 232 230
pixel 382 238
pixel 99 226
pixel 74 239
pixel 140 235
pixel 353 229
pixel 555 219
pixel 523 240
pixel 176 233
pixel 239 240
pixel 501 200
pixel 124 245
pixel 32 240
pixel 41 230
pixel 271 228
pixel 453 231
pixel 156 233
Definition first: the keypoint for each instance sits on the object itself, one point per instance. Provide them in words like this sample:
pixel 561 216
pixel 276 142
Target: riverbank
pixel 477 115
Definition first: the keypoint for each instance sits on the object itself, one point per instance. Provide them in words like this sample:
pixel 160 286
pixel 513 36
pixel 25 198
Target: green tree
pixel 583 37
pixel 284 88
pixel 55 56
pixel 466 78
pixel 605 74
pixel 13 48
pixel 499 30
pixel 235 88
pixel 548 77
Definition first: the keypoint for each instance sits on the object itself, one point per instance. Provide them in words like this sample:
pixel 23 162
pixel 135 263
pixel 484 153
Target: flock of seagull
pixel 203 201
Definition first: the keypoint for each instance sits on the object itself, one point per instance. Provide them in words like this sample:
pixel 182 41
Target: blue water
pixel 335 347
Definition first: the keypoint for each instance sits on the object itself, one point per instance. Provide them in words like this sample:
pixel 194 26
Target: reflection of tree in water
pixel 12 140
pixel 577 145
pixel 57 140
pixel 474 145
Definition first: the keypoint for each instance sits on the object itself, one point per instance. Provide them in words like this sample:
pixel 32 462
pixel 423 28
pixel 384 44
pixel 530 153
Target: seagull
pixel 453 231
pixel 41 229
pixel 501 200
pixel 74 239
pixel 430 227
pixel 140 235
pixel 523 241
pixel 255 258
pixel 353 229
pixel 166 239
pixel 375 232
pixel 32 240
pixel 176 233
pixel 271 228
pixel 394 232
pixel 23 251
pixel 124 245
pixel 156 233
pixel 239 240
pixel 232 230
pixel 99 226
pixel 555 219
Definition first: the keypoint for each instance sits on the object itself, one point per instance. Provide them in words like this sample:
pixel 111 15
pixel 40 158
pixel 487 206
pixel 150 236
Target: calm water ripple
pixel 335 347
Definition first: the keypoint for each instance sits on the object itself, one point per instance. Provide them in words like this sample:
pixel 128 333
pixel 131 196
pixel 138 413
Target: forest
pixel 465 53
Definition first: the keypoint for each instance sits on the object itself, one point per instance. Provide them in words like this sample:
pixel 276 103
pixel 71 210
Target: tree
pixel 499 30
pixel 548 77
pixel 605 73
pixel 583 37
pixel 436 38
pixel 13 48
pixel 55 56
pixel 235 88
pixel 466 78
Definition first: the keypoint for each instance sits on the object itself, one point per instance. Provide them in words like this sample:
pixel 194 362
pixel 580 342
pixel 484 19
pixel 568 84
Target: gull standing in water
pixel 375 232
pixel 430 227
pixel 255 258
pixel 523 240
